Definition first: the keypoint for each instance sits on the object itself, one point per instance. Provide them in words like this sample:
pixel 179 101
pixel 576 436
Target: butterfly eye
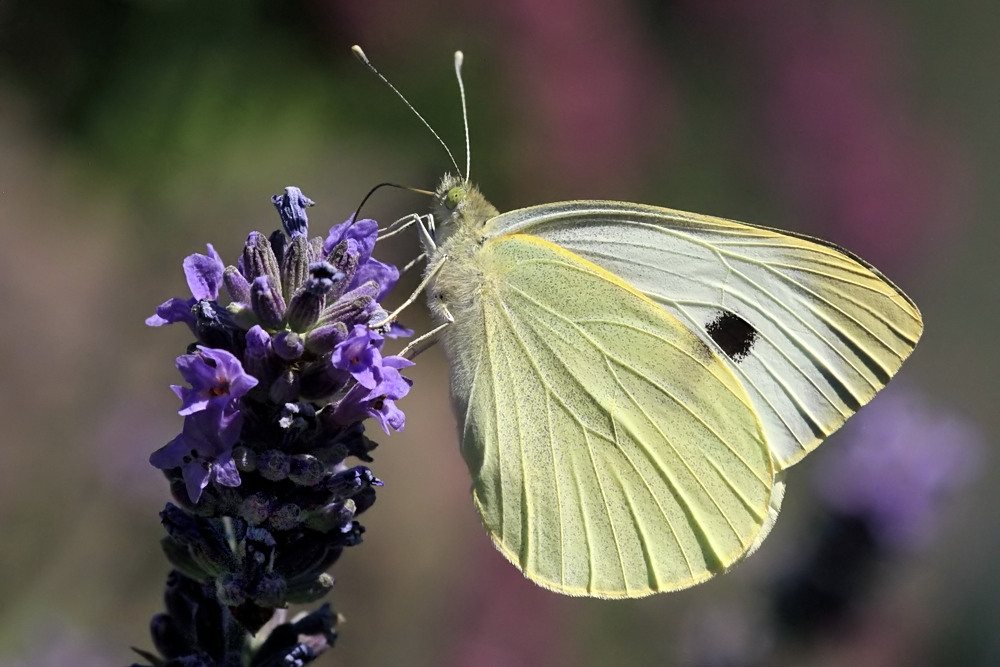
pixel 454 197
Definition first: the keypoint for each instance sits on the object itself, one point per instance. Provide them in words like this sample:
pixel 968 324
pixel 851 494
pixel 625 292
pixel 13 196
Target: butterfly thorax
pixel 461 213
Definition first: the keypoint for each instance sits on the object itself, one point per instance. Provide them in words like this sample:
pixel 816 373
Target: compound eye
pixel 454 197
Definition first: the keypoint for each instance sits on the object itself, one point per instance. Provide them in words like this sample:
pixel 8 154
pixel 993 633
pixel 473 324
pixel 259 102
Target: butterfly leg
pixel 398 226
pixel 413 297
pixel 422 342
pixel 413 262
pixel 426 229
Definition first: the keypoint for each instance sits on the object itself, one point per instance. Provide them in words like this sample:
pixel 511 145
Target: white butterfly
pixel 631 382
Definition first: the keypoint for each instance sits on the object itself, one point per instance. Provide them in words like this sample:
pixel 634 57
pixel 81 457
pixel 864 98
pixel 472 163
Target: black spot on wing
pixel 733 334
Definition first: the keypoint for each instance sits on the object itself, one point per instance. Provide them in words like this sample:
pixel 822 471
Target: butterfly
pixel 632 382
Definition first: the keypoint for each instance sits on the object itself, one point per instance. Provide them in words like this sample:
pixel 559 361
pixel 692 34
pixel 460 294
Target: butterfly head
pixel 449 198
pixel 459 206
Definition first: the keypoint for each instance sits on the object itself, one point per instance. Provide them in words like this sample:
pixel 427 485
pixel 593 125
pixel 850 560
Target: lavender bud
pixel 259 260
pixel 270 591
pixel 305 470
pixel 273 464
pixel 168 638
pixel 295 265
pixel 334 516
pixel 349 482
pixel 285 389
pixel 236 284
pixel 292 207
pixel 345 260
pixel 308 302
pixel 242 314
pixel 259 360
pixel 231 589
pixel 316 248
pixel 323 339
pixel 286 517
pixel 351 305
pixel 267 303
pixel 288 345
pixel 278 243
pixel 255 509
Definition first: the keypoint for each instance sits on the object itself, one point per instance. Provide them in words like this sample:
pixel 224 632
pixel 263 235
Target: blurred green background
pixel 132 132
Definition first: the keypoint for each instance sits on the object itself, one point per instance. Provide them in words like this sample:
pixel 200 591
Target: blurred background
pixel 133 132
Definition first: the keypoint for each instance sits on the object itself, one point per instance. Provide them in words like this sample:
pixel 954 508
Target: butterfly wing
pixel 812 331
pixel 613 454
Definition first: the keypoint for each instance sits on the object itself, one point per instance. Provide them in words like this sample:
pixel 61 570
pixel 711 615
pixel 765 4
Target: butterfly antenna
pixel 364 59
pixel 357 211
pixel 465 114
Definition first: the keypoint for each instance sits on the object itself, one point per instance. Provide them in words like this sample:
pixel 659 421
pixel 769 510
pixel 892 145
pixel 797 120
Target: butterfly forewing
pixel 613 452
pixel 812 331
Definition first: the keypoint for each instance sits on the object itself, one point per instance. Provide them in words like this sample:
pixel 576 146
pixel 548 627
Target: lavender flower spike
pixel 276 396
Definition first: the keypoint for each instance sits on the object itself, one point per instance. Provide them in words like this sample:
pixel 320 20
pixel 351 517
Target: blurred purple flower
pixel 216 378
pixel 901 459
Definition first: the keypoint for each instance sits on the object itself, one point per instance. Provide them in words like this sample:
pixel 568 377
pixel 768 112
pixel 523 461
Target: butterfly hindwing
pixel 613 453
pixel 812 331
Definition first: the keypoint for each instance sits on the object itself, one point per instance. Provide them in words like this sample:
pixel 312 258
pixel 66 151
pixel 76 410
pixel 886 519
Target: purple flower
pixel 216 377
pixel 204 278
pixel 378 402
pixel 204 450
pixel 901 460
pixel 359 355
pixel 385 275
pixel 364 233
pixel 267 379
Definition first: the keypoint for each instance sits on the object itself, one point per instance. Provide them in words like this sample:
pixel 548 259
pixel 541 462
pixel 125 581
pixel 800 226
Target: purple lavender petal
pixel 205 443
pixel 364 232
pixel 216 377
pixel 359 355
pixel 397 330
pixel 353 407
pixel 361 403
pixel 226 473
pixel 173 310
pixel 385 275
pixel 390 383
pixel 388 415
pixel 397 362
pixel 204 274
